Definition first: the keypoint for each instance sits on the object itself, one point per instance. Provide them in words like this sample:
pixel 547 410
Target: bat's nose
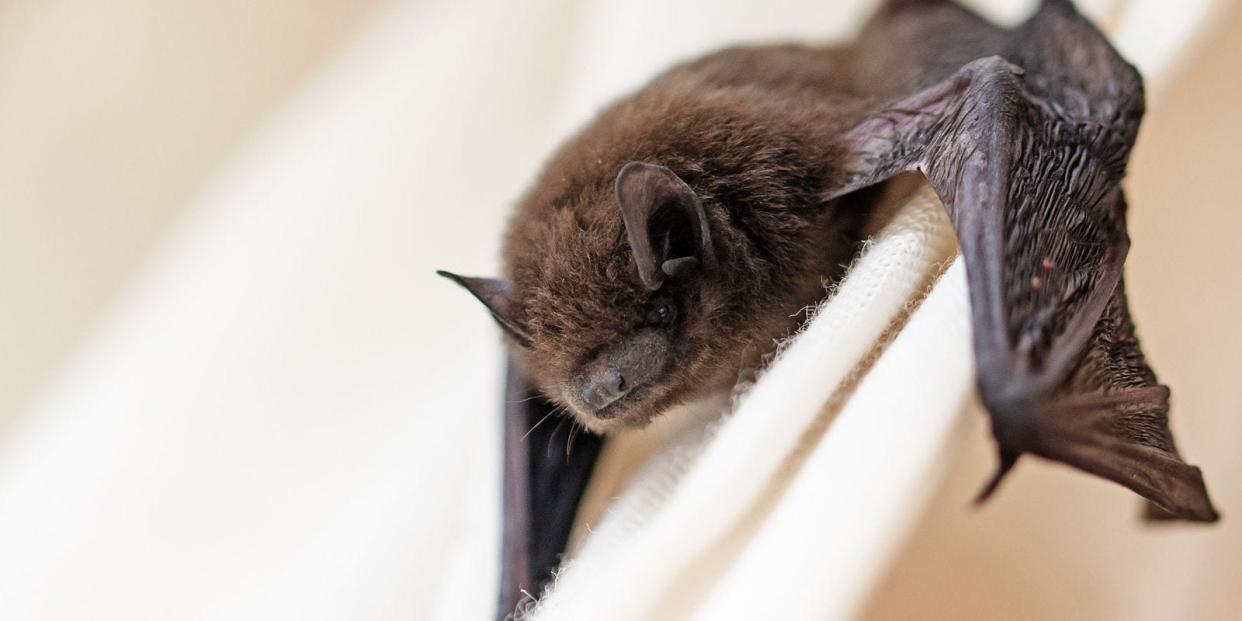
pixel 604 389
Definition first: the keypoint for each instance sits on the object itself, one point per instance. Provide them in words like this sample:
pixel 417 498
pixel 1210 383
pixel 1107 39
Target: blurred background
pixel 230 386
pixel 115 117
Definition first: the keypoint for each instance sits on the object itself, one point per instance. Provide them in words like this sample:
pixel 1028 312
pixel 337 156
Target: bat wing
pixel 1026 147
pixel 546 469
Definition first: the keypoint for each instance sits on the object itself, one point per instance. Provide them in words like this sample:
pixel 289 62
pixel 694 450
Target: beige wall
pixel 113 115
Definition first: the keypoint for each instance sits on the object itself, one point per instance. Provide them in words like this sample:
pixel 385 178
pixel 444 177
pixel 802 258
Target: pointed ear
pixel 497 295
pixel 665 222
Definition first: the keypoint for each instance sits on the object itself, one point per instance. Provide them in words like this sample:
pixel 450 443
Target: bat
pixel 664 246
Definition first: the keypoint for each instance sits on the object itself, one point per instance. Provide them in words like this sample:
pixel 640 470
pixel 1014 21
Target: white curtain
pixel 289 416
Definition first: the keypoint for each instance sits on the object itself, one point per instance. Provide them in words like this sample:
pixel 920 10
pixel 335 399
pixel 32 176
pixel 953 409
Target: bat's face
pixel 617 365
pixel 615 310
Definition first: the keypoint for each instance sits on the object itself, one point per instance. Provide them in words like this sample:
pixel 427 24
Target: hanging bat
pixel 667 244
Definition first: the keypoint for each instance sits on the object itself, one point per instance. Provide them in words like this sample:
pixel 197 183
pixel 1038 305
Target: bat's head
pixel 632 286
pixel 616 304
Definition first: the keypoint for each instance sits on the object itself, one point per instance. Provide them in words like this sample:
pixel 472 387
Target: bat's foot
pixel 1116 435
pixel 1007 462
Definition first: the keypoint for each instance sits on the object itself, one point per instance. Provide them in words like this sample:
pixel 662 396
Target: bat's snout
pixel 603 390
pixel 620 378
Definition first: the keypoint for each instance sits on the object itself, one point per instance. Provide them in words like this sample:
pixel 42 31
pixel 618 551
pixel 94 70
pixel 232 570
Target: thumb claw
pixel 1007 462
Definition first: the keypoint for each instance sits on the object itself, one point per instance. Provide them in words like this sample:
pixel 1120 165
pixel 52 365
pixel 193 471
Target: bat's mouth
pixel 633 410
pixel 617 409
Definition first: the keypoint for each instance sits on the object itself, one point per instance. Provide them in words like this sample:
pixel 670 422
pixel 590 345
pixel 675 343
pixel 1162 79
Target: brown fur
pixel 755 133
pixel 745 129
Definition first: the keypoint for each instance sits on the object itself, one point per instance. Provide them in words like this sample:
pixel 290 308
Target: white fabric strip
pixel 863 488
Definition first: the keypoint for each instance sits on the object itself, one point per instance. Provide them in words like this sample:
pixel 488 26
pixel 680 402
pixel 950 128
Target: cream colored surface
pixel 273 422
pixel 287 416
pixel 113 117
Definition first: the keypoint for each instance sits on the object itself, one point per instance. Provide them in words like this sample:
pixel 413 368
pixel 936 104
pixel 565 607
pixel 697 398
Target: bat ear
pixel 665 222
pixel 497 295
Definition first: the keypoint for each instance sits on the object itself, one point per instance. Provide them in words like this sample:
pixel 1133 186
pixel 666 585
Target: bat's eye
pixel 662 313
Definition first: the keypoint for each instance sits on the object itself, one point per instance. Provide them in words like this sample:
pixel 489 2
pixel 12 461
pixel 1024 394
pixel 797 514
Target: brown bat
pixel 667 244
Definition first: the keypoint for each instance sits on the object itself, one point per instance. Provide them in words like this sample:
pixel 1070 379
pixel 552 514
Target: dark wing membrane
pixel 1110 418
pixel 1027 150
pixel 546 469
